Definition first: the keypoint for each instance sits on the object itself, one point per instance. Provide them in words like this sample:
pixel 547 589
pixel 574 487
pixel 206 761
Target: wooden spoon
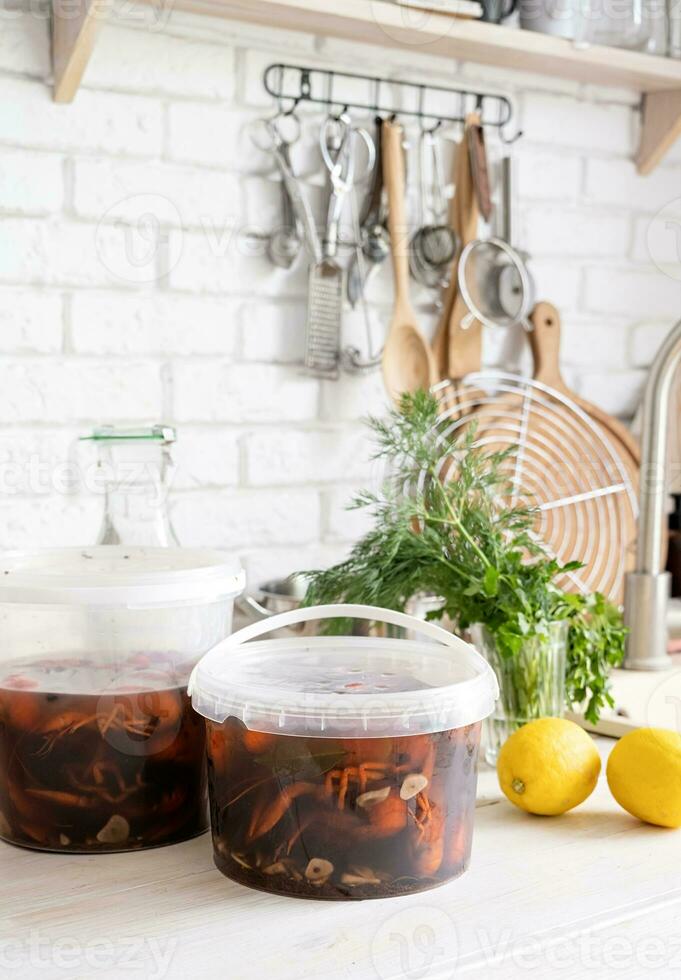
pixel 408 362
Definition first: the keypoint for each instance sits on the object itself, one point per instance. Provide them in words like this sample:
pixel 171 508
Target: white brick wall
pixel 68 390
pixel 30 322
pixel 30 183
pixel 151 323
pixel 100 122
pixel 130 291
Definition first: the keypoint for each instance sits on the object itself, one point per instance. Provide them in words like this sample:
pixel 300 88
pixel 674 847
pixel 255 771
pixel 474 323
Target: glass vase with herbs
pixel 445 524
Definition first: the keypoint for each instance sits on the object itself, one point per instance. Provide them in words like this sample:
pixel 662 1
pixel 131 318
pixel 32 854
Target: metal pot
pixel 283 595
pixel 276 596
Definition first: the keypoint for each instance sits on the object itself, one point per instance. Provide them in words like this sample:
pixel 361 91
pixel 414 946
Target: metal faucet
pixel 648 587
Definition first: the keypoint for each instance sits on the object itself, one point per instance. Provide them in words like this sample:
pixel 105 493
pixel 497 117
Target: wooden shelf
pixel 74 33
pixel 381 23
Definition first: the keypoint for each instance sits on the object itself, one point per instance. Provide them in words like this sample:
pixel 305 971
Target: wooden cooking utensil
pixel 458 352
pixel 480 169
pixel 408 362
pixel 545 344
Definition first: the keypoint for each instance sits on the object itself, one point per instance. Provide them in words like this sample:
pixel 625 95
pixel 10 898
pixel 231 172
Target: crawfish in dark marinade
pixel 341 818
pixel 118 769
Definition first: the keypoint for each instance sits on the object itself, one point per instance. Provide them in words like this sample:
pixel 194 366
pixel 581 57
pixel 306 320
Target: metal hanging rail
pixel 295 84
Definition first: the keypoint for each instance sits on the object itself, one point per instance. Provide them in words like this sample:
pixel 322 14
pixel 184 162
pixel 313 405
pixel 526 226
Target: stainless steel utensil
pixel 493 277
pixel 434 244
pixel 339 141
pixel 373 244
pixel 375 248
pixel 480 266
pixel 299 202
pixel 326 280
pixel 509 284
pixel 353 361
pixel 284 243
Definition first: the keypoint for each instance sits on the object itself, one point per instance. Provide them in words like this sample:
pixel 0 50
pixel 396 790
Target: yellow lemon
pixel 644 775
pixel 548 766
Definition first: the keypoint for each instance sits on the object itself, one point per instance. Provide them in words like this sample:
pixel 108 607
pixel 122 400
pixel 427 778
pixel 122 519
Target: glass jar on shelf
pixel 135 468
pixel 627 24
pixel 673 20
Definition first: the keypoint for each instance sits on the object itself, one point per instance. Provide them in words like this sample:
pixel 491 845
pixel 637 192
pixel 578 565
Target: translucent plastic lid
pixel 344 686
pixel 115 575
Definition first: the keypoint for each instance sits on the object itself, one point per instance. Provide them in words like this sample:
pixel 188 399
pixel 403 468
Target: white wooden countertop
pixel 591 894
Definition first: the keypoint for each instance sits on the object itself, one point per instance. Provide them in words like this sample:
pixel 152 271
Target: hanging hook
pixel 295 102
pixel 303 94
pixel 276 90
pixel 329 99
pixel 431 130
pixel 423 115
pixel 282 110
pixel 279 82
pixel 508 140
pixel 506 104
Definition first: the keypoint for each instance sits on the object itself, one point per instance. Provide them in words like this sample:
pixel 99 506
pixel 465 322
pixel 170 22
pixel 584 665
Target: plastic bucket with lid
pixel 99 747
pixel 343 767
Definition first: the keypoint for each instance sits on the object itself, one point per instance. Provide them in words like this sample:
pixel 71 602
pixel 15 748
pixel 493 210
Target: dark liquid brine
pixel 116 770
pixel 337 819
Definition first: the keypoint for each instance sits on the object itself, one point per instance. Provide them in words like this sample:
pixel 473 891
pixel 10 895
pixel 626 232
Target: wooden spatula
pixel 408 362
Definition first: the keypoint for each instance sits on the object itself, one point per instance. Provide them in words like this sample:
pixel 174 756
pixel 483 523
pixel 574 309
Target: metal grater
pixel 327 277
pixel 324 315
pixel 338 140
